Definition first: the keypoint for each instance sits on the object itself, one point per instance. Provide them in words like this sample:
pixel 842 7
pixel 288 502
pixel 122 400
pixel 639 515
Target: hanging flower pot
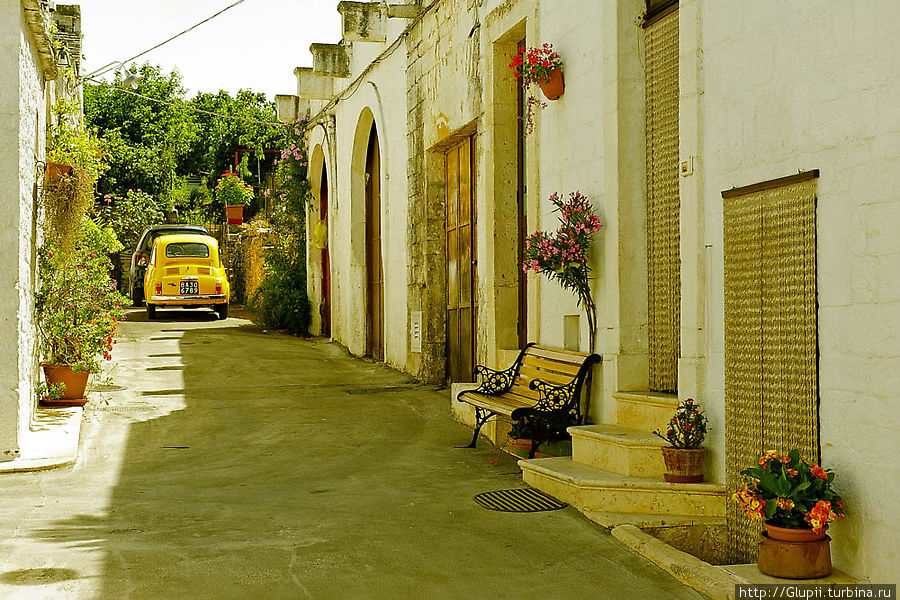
pixel 553 87
pixel 55 172
pixel 75 382
pixel 235 214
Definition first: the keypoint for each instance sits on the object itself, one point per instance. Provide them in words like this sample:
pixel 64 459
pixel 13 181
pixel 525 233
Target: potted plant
pixel 685 433
pixel 235 195
pixel 77 308
pixel 796 502
pixel 541 66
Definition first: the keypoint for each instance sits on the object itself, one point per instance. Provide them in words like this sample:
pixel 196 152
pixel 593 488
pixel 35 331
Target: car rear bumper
pixel 193 299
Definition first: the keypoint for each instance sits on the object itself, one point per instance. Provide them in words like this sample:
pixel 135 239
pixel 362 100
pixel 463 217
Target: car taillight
pixel 218 287
pixel 158 289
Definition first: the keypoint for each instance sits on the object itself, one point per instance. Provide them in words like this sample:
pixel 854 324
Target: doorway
pixel 374 266
pixel 462 304
pixel 326 260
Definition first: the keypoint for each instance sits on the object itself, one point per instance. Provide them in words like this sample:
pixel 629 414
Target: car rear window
pixel 187 250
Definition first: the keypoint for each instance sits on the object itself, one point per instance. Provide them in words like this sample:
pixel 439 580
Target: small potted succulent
pixel 232 192
pixel 685 433
pixel 795 500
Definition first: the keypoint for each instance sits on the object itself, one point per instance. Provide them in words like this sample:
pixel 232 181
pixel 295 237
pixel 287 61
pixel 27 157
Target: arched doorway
pixel 374 266
pixel 325 305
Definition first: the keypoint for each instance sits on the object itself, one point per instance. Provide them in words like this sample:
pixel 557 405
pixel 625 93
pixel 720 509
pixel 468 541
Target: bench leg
pixel 481 417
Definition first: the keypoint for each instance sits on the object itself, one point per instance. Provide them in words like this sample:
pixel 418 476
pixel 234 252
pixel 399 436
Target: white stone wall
pixel 790 87
pixel 383 94
pixel 22 124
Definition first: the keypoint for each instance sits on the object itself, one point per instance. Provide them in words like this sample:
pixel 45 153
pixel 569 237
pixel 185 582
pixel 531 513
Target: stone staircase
pixel 615 473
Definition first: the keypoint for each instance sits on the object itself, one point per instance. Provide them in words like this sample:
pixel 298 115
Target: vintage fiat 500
pixel 185 270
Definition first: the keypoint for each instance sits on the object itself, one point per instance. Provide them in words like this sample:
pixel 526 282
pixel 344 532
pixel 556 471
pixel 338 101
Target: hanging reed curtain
pixel 771 348
pixel 663 202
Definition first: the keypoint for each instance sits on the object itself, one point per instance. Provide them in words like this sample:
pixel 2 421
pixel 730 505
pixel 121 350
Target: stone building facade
pixel 686 110
pixel 31 78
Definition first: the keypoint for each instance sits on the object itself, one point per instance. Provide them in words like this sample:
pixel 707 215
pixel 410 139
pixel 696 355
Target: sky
pixel 256 45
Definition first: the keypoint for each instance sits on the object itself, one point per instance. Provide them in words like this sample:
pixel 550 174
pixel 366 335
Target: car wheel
pixel 137 296
pixel 151 312
pixel 222 311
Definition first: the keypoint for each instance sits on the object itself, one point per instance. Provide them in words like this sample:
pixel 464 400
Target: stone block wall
pixel 796 87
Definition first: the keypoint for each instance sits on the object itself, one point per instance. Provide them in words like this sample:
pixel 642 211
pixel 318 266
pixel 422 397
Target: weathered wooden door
pixel 374 267
pixel 326 259
pixel 462 305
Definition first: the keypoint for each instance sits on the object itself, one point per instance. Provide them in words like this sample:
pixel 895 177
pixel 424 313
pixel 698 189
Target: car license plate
pixel 191 286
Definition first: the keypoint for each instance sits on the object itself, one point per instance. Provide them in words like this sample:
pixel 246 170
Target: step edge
pixel 645 440
pixel 652 398
pixel 624 481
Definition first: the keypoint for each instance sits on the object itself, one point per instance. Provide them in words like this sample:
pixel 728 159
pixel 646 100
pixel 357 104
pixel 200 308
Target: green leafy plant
pixel 77 306
pixel 130 215
pixel 48 393
pixel 281 301
pixel 687 427
pixel 231 190
pixel 787 491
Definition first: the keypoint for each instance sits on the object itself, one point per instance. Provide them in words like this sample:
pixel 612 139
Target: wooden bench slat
pixel 571 358
pixel 548 376
pixel 503 405
pixel 551 365
pixel 521 388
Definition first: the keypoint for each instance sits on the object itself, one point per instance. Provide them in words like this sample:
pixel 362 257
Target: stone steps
pixel 623 450
pixel 588 488
pixel 644 410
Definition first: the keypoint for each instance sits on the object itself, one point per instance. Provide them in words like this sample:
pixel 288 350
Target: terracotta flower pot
pixel 793 535
pixel 555 87
pixel 794 559
pixel 521 447
pixel 75 382
pixel 235 213
pixel 682 465
pixel 55 172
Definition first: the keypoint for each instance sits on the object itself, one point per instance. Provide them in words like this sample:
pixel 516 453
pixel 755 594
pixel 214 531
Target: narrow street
pixel 221 461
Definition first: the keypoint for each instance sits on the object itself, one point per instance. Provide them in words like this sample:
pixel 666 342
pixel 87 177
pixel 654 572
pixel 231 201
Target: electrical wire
pixel 188 107
pixel 108 67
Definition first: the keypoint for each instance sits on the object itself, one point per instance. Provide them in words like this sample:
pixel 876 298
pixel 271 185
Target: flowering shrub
pixel 281 299
pixel 787 491
pixel 563 255
pixel 231 190
pixel 77 306
pixel 687 428
pixel 533 65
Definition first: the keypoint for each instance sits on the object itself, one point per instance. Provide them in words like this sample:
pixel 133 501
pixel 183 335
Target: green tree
pixel 146 141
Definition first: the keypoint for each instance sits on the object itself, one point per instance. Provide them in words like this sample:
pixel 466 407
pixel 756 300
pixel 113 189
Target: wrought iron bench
pixel 542 385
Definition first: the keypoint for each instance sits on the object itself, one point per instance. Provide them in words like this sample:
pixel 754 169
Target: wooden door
pixel 462 305
pixel 374 267
pixel 326 259
pixel 521 216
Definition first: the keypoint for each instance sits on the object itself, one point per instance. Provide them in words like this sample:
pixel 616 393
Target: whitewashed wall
pixel 792 87
pixel 22 123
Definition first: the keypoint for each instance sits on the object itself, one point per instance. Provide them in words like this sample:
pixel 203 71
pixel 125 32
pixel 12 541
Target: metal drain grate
pixel 518 500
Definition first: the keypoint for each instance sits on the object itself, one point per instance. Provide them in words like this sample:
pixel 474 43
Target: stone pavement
pixel 226 462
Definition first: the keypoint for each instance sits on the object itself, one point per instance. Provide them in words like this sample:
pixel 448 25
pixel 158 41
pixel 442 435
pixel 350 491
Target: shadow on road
pixel 290 470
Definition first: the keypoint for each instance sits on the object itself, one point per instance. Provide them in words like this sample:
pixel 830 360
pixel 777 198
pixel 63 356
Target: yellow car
pixel 186 270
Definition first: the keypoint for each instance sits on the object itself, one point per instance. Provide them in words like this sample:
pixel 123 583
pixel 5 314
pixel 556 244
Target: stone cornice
pixel 38 19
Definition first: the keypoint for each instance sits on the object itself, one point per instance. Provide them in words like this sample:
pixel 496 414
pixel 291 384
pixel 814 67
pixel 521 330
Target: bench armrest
pixel 554 397
pixel 495 382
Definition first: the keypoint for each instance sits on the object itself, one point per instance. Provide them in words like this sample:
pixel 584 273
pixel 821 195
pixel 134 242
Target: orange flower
pixel 818 471
pixel 785 503
pixel 792 472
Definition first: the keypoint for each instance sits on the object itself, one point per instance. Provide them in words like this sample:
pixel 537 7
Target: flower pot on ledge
pixel 235 213
pixel 794 553
pixel 75 383
pixel 555 86
pixel 683 465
